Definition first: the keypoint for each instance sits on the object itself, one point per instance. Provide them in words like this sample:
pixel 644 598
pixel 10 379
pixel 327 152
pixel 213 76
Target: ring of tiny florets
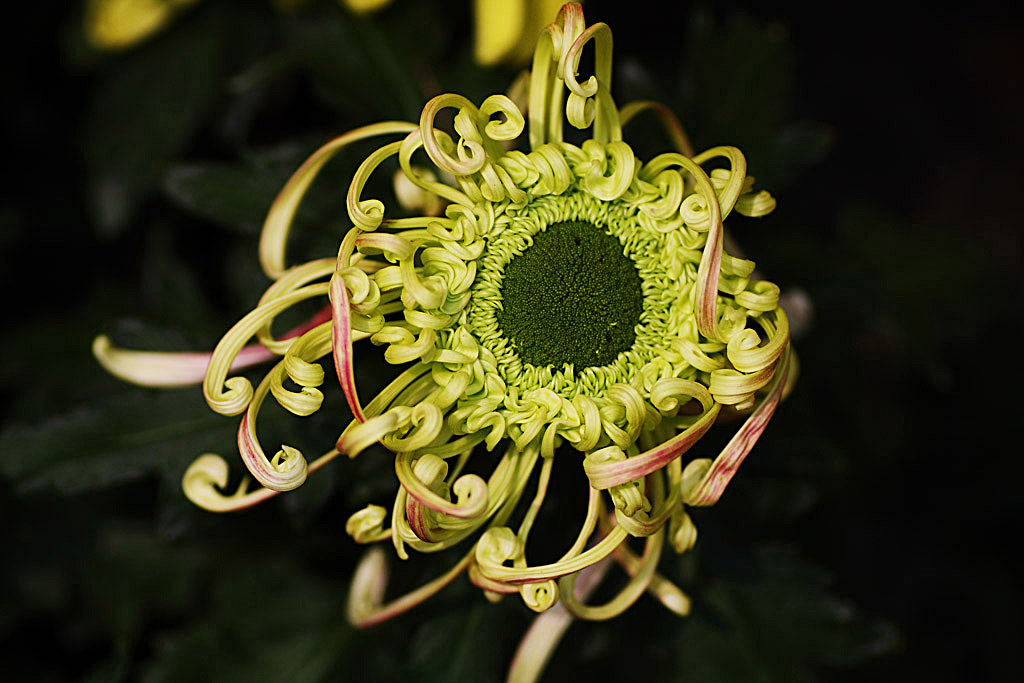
pixel 514 231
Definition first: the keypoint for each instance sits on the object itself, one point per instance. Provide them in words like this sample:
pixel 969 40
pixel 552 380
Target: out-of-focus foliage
pixel 181 142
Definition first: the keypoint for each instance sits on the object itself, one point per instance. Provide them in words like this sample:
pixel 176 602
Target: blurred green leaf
pixel 464 644
pixel 238 195
pixel 114 440
pixel 135 577
pixel 231 195
pixel 144 110
pixel 742 77
pixel 797 147
pixel 356 69
pixel 267 622
pixel 776 626
pixel 305 502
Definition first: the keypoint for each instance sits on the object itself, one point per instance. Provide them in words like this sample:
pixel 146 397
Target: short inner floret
pixel 573 296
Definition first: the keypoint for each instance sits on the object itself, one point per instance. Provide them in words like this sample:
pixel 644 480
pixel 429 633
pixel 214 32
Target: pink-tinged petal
pixel 416 516
pixel 171 369
pixel 370 581
pixel 706 304
pixel 605 475
pixel 341 345
pixel 543 636
pixel 477 578
pixel 291 472
pixel 470 489
pixel 206 478
pixel 713 482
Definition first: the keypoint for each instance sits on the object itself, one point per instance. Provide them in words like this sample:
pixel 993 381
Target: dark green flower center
pixel 572 297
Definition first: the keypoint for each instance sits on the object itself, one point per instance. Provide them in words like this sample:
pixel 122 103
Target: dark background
pixel 870 534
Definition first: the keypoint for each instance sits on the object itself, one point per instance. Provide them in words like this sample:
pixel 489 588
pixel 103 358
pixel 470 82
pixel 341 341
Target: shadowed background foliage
pixel 867 537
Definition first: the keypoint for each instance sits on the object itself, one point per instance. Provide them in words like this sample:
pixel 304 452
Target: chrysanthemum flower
pixel 573 304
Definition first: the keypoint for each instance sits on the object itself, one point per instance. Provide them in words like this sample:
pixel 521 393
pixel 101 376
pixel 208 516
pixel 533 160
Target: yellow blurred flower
pixel 507 30
pixel 365 6
pixel 120 24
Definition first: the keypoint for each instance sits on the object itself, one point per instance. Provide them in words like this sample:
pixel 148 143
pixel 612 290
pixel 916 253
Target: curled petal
pixel 604 474
pixel 666 393
pixel 170 369
pixel 736 178
pixel 682 531
pixel 670 186
pixel 540 640
pixel 366 432
pixel 498 545
pixel 644 523
pixel 286 471
pixel 207 476
pixel 597 85
pixel 471 154
pixel 755 205
pixel 611 175
pixel 571 60
pixel 746 352
pixel 367 525
pixel 239 391
pixel 540 596
pixel 414 141
pixel 394 247
pixel 626 597
pixel 365 606
pixel 495 547
pixel 511 127
pixel 304 402
pixel 303 372
pixel 706 288
pixel 282 211
pixel 762 296
pixel 703 481
pixel 341 345
pixel 368 214
pixel 426 421
pixel 470 489
pixel 731 387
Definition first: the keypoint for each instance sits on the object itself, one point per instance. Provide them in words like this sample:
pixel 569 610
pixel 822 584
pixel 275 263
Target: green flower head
pixel 568 304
